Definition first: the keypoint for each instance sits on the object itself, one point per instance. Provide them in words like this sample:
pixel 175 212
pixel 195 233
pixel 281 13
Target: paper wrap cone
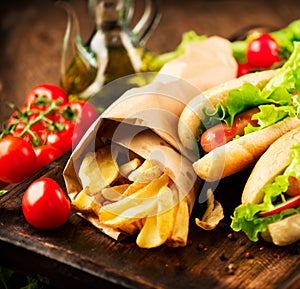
pixel 144 120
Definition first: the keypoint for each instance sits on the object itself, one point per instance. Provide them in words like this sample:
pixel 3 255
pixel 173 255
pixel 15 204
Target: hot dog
pixel 271 197
pixel 230 126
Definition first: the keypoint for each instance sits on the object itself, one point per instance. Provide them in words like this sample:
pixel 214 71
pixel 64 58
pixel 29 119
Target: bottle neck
pixel 108 14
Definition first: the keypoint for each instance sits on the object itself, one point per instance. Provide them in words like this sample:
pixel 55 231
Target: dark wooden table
pixel 32 31
pixel 77 255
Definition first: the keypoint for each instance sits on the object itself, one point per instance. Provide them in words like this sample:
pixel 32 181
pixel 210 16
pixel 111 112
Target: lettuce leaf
pixel 252 226
pixel 270 114
pixel 278 91
pixel 246 217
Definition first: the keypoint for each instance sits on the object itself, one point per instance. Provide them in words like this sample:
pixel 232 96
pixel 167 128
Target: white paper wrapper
pixel 145 120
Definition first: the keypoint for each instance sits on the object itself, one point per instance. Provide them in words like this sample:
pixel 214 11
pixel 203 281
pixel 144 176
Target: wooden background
pixel 31 33
pixel 31 37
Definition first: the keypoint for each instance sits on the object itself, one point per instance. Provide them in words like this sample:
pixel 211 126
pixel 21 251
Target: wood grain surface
pixel 77 255
pixel 31 33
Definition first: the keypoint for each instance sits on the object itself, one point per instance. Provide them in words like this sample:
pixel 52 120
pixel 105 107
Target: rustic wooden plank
pixel 206 261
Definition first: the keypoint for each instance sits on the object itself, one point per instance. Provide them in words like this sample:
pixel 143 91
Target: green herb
pixel 246 217
pixel 49 107
pixel 3 192
pixel 10 279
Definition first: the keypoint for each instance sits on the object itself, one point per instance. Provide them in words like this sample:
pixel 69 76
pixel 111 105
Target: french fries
pixel 134 197
pixel 213 214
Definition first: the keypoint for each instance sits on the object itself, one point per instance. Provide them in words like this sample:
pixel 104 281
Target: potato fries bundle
pixel 134 196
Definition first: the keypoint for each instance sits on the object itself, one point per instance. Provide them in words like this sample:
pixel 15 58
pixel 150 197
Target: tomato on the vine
pixel 263 52
pixel 47 122
pixel 20 125
pixel 45 154
pixel 63 139
pixel 86 114
pixel 45 205
pixel 17 159
pixel 50 91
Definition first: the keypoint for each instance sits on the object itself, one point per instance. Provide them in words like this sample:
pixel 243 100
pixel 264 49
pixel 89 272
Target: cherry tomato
pixel 50 91
pixel 46 154
pixel 85 112
pixel 17 159
pixel 45 205
pixel 20 126
pixel 243 68
pixel 263 52
pixel 62 140
pixel 86 115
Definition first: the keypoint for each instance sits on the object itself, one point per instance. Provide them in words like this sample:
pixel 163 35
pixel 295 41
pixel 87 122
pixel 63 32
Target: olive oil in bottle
pixel 113 51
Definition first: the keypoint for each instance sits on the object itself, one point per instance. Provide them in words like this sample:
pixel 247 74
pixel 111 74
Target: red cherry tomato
pixel 50 91
pixel 86 115
pixel 46 154
pixel 243 68
pixel 45 205
pixel 263 52
pixel 17 159
pixel 62 140
pixel 20 125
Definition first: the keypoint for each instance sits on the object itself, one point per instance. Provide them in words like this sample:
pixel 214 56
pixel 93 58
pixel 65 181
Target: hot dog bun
pixel 188 125
pixel 271 164
pixel 239 154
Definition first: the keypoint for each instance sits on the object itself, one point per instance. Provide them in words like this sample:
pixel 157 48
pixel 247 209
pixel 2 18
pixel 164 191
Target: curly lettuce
pixel 275 100
pixel 246 217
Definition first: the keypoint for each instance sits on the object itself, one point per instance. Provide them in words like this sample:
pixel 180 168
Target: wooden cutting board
pixel 77 255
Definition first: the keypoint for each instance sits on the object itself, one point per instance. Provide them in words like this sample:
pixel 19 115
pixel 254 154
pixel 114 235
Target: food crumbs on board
pixel 248 255
pixel 201 247
pixel 242 243
pixel 277 256
pixel 231 237
pixel 223 257
pixel 189 243
pixel 231 268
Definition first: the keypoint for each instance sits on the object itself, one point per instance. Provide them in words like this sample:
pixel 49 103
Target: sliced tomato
pixel 294 186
